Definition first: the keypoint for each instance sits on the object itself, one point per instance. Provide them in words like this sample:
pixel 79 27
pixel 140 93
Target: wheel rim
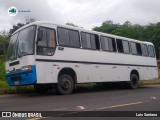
pixel 65 84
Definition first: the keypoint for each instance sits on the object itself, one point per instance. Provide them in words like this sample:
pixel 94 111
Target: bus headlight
pixel 29 67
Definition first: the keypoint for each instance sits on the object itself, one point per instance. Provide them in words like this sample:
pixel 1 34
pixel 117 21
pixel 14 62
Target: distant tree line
pixel 150 32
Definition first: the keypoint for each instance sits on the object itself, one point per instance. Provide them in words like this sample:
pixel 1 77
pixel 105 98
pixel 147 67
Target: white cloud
pixel 84 13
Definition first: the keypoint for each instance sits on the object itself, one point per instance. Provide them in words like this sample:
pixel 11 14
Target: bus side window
pixel 74 38
pixel 120 46
pixel 46 45
pixel 68 37
pixel 112 44
pixel 105 43
pixel 63 37
pixel 86 40
pixel 126 46
pixel 95 42
pixel 144 50
pixel 136 48
pixel 90 41
pixel 139 50
pixel 151 51
pixel 133 48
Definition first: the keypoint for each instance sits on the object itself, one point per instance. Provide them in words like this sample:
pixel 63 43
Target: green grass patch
pixel 149 82
pixel 88 85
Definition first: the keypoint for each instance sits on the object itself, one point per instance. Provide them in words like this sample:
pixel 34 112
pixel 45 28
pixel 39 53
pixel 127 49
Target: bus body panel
pixel 89 65
pixel 19 76
pixel 94 66
pixel 44 72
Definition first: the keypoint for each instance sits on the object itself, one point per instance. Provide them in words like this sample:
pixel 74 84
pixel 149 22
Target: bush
pixel 2 68
pixel 3 84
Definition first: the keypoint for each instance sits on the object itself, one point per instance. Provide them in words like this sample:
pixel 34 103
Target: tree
pixel 15 27
pixel 71 24
pixel 150 32
pixel 107 27
pixel 19 25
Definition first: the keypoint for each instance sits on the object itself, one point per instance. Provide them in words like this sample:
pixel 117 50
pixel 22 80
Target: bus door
pixel 45 48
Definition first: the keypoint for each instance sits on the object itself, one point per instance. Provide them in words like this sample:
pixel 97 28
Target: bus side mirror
pixel 40 35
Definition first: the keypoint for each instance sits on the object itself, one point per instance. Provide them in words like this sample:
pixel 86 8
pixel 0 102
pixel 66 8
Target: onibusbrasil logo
pixel 12 11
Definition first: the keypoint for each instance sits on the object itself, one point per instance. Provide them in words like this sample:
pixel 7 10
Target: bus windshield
pixel 21 43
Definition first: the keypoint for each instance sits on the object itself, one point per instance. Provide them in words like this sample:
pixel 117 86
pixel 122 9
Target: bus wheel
pixel 134 81
pixel 41 88
pixel 65 84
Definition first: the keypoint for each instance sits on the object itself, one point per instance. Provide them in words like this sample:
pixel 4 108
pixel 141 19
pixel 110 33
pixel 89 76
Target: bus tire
pixel 41 88
pixel 134 81
pixel 65 84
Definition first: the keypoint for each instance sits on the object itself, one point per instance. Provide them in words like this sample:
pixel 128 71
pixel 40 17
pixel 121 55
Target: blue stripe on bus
pixel 25 77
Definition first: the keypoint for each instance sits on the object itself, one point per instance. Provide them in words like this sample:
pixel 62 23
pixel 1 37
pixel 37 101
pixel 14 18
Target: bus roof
pixel 80 29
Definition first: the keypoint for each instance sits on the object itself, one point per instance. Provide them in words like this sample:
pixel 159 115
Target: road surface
pixel 111 99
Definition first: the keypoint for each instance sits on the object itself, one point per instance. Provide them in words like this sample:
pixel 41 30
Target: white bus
pixel 45 55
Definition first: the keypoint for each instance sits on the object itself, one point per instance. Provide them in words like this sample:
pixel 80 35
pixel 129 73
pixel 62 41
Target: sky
pixel 84 13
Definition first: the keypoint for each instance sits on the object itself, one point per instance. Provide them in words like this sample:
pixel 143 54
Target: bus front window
pixel 12 46
pixel 25 41
pixel 22 43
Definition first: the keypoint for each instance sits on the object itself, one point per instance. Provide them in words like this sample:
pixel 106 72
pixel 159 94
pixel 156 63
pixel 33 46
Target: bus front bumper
pixel 24 77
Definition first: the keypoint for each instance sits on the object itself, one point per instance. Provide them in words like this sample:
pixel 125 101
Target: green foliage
pixel 71 24
pixel 19 25
pixel 15 27
pixel 3 84
pixel 150 32
pixel 2 68
pixel 4 41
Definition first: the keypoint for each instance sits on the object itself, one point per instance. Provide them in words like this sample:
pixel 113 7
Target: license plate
pixel 16 82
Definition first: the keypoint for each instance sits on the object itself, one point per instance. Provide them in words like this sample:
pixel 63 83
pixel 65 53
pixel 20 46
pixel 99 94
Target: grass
pixel 149 82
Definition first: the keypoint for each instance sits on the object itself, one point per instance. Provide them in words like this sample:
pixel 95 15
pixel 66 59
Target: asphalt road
pixel 110 99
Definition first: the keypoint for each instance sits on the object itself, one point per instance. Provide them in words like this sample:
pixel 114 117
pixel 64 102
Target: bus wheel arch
pixel 134 71
pixel 66 77
pixel 134 79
